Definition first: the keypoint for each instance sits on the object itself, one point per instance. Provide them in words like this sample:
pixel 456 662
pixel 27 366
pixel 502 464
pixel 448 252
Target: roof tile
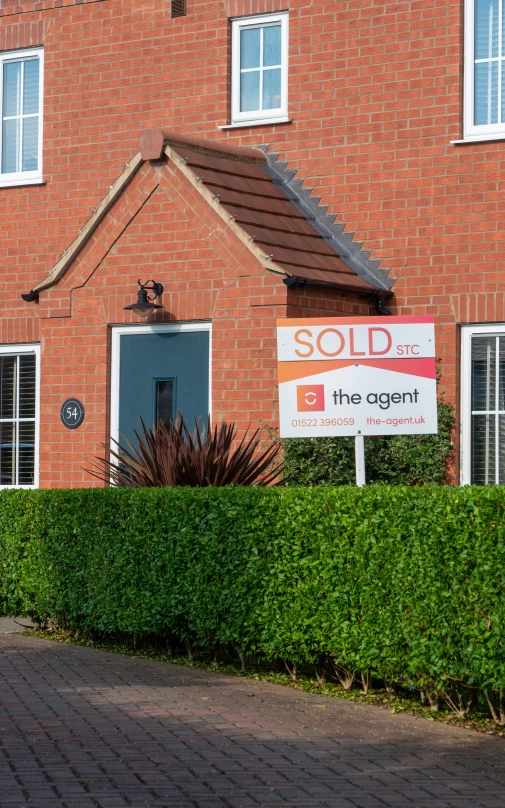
pixel 265 213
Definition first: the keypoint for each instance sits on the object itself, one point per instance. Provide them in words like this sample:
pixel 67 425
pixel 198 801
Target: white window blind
pixel 21 113
pixel 485 67
pixel 18 418
pixel 489 62
pixel 488 409
pixel 483 405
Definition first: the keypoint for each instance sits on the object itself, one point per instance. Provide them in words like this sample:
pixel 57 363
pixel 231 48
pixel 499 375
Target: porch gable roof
pixel 257 199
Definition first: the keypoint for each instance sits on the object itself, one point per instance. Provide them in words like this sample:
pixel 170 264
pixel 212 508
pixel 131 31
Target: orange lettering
pixel 301 342
pixel 352 351
pixel 370 341
pixel 330 331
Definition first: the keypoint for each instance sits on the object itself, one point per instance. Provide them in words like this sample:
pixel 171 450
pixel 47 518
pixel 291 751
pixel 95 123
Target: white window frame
pixel 119 331
pixel 23 177
pixel 271 115
pixel 467 332
pixel 471 131
pixel 18 350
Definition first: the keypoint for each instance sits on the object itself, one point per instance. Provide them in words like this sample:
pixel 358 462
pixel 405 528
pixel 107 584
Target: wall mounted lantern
pixel 145 304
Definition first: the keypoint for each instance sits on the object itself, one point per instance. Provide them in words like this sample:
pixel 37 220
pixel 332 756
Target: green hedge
pixel 392 582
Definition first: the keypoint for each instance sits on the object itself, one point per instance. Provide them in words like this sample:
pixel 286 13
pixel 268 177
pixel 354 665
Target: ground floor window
pixel 19 415
pixel 483 405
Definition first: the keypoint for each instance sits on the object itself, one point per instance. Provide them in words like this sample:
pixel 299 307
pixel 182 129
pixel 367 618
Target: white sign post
pixel 359 457
pixel 357 376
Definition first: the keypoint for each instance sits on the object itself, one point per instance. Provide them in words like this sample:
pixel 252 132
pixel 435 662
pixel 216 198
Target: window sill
pixel 18 487
pixel 248 124
pixel 478 139
pixel 20 183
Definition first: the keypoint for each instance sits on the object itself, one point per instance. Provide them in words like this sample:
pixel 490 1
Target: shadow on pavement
pixel 80 727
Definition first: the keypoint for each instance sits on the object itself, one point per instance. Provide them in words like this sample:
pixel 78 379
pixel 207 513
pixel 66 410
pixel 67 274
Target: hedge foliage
pixel 390 582
pixel 396 460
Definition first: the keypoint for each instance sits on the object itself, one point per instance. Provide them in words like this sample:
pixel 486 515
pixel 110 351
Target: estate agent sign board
pixel 357 376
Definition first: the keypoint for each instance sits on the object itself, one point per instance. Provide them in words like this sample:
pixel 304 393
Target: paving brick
pixel 148 737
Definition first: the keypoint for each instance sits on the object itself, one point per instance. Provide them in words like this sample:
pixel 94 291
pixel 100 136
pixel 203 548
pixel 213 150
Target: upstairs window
pixel 484 68
pixel 21 112
pixel 260 69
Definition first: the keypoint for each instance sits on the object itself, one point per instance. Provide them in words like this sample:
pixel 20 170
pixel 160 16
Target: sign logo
pixel 310 397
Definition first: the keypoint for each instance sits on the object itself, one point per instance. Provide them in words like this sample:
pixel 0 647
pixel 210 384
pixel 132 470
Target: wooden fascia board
pixel 214 203
pixel 115 190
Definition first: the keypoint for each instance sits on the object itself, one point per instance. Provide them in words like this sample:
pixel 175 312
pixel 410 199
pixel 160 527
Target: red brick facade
pixel 375 97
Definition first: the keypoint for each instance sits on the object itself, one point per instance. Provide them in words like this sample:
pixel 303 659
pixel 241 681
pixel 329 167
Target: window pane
pixel 31 87
pixel 26 474
pixel 250 91
pixel 7 386
pixel 501 449
pixel 11 89
pixel 501 374
pixel 483 449
pixel 165 401
pixel 502 92
pixel 10 145
pixel 483 373
pixel 250 47
pixel 7 455
pixel 271 89
pixel 272 45
pixel 486 93
pixel 486 28
pixel 27 386
pixel 503 27
pixel 30 159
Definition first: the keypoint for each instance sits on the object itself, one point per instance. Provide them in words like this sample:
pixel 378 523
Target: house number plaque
pixel 72 413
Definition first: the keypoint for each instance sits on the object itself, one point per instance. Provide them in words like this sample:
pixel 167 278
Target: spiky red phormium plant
pixel 166 456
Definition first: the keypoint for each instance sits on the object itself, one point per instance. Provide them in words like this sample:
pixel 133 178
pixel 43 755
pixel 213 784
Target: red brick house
pixel 295 159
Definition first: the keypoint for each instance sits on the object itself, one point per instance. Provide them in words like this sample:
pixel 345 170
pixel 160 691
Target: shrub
pixel 398 460
pixel 172 455
pixel 387 582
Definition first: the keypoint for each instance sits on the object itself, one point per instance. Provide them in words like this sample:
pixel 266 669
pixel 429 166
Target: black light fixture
pixel 31 297
pixel 144 304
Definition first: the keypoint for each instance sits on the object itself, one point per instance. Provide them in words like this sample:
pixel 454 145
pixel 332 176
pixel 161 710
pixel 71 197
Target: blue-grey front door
pixel 160 374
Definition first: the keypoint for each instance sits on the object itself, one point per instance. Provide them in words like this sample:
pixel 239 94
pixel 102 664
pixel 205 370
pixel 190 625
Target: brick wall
pixel 375 97
pixel 311 301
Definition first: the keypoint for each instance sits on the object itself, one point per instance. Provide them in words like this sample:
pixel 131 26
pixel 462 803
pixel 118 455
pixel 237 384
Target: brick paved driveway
pixel 80 727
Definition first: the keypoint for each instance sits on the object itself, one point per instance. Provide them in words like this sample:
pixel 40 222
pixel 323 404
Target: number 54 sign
pixel 357 376
pixel 72 413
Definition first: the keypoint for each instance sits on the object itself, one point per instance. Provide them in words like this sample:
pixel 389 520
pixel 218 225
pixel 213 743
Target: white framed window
pixel 19 416
pixel 484 93
pixel 21 98
pixel 259 69
pixel 483 405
